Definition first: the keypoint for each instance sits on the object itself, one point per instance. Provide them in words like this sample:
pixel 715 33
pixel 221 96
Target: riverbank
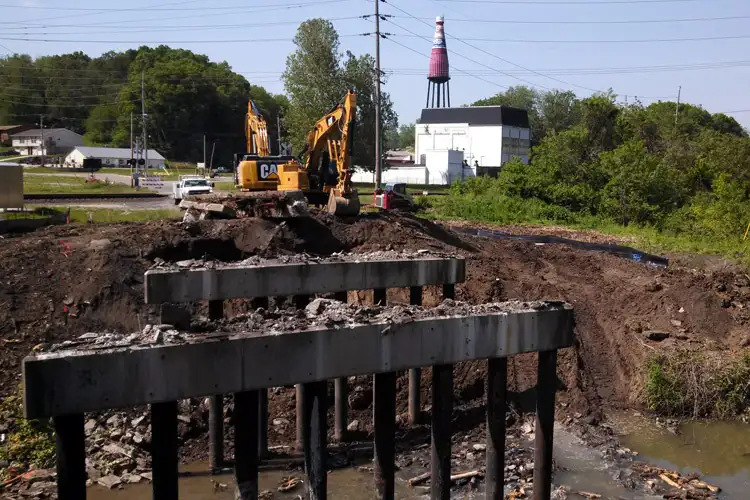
pixel 63 282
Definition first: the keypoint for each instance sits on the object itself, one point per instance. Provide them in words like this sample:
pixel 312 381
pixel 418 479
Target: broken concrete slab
pixel 57 383
pixel 188 285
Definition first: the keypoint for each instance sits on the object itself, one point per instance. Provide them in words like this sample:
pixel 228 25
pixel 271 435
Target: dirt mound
pixel 61 282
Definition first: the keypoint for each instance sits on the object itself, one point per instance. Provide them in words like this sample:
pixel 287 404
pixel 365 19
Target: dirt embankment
pixel 59 283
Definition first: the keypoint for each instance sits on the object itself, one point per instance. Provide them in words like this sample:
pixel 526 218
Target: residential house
pixel 8 130
pixel 56 141
pixel 110 157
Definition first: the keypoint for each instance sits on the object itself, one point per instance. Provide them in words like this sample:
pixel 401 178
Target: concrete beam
pixel 273 280
pixel 62 383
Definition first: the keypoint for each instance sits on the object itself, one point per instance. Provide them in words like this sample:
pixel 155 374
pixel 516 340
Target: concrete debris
pixel 326 313
pixel 110 481
pixel 353 426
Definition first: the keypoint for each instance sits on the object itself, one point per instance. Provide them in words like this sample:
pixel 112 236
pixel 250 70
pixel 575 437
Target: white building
pixel 110 157
pixel 442 167
pixel 489 136
pixel 56 141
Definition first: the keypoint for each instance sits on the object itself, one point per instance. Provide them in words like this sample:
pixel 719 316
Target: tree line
pixel 683 169
pixel 188 96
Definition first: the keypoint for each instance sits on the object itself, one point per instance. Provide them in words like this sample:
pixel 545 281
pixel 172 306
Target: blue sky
pixel 254 36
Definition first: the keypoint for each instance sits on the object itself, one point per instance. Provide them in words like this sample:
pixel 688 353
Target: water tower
pixel 438 80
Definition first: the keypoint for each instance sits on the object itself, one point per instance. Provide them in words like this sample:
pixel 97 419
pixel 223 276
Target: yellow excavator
pixel 323 170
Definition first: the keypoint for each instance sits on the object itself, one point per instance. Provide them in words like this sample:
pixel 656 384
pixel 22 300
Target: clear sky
pixel 580 45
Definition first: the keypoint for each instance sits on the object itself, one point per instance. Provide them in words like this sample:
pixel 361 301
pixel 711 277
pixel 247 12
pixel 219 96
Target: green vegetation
pixel 317 77
pixel 698 384
pixel 30 442
pixel 629 170
pixel 56 184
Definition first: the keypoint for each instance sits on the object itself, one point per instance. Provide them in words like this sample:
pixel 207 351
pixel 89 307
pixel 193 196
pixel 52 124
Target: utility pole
pixel 378 154
pixel 143 119
pixel 204 150
pixel 41 130
pixel 131 142
pixel 677 108
pixel 278 131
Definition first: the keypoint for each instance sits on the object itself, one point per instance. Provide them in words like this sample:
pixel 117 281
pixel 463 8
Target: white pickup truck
pixel 191 185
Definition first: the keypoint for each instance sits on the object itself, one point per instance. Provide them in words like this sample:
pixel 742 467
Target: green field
pixel 56 184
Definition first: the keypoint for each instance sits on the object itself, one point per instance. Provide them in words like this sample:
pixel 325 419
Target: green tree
pixel 21 91
pixel 100 126
pixel 313 77
pixel 406 136
pixel 359 75
pixel 558 110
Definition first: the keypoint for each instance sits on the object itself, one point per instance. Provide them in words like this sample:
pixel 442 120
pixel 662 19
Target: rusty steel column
pixel 215 407
pixel 415 374
pixel 164 450
pixel 246 444
pixel 314 429
pixel 341 396
pixel 442 408
pixel 497 376
pixel 300 302
pixel 262 302
pixel 440 448
pixel 384 395
pixel 70 447
pixel 262 423
pixel 546 384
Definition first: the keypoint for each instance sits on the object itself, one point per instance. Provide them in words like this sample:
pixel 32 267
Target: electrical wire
pixel 645 40
pixel 247 40
pixel 611 21
pixel 568 2
pixel 512 63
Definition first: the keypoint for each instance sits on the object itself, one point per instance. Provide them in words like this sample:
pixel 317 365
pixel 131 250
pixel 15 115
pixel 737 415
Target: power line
pixel 454 68
pixel 505 60
pixel 611 21
pixel 146 28
pixel 645 40
pixel 54 105
pixel 568 2
pixel 150 9
pixel 250 40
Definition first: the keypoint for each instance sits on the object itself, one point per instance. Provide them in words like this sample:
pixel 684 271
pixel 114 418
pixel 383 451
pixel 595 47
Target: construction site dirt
pixel 61 282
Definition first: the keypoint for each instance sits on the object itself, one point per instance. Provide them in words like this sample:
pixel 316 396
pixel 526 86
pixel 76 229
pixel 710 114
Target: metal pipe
pixel 341 395
pixel 215 407
pixel 497 374
pixel 415 374
pixel 314 409
pixel 300 302
pixel 164 450
pixel 70 449
pixel 384 396
pixel 546 383
pixel 440 448
pixel 245 444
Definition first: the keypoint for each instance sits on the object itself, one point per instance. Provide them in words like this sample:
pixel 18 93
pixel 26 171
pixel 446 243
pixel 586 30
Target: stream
pixel 579 468
pixel 718 450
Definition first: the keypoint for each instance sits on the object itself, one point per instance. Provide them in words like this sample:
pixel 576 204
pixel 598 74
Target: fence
pixel 66 384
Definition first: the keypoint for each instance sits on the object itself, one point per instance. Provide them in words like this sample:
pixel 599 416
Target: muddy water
pixel 719 451
pixel 197 484
pixel 579 468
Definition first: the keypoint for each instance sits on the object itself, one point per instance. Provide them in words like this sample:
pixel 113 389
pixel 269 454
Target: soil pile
pixel 59 283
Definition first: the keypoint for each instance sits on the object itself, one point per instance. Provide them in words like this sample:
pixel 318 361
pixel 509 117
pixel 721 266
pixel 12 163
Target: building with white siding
pixel 56 141
pixel 110 157
pixel 489 136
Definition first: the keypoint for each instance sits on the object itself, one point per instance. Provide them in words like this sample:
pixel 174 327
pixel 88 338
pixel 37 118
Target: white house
pixel 56 141
pixel 110 157
pixel 489 136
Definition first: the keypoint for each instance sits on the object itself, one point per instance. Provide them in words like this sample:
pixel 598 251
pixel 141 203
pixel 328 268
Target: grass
pixel 55 184
pixel 698 384
pixel 30 442
pixel 503 210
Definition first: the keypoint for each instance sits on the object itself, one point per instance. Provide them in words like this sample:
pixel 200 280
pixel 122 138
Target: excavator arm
pixel 256 131
pixel 334 134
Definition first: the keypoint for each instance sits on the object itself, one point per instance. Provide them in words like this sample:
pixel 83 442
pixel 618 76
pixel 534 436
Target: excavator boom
pixel 256 131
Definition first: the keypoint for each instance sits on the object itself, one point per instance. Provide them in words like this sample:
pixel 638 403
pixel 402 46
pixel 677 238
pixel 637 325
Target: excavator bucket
pixel 339 204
